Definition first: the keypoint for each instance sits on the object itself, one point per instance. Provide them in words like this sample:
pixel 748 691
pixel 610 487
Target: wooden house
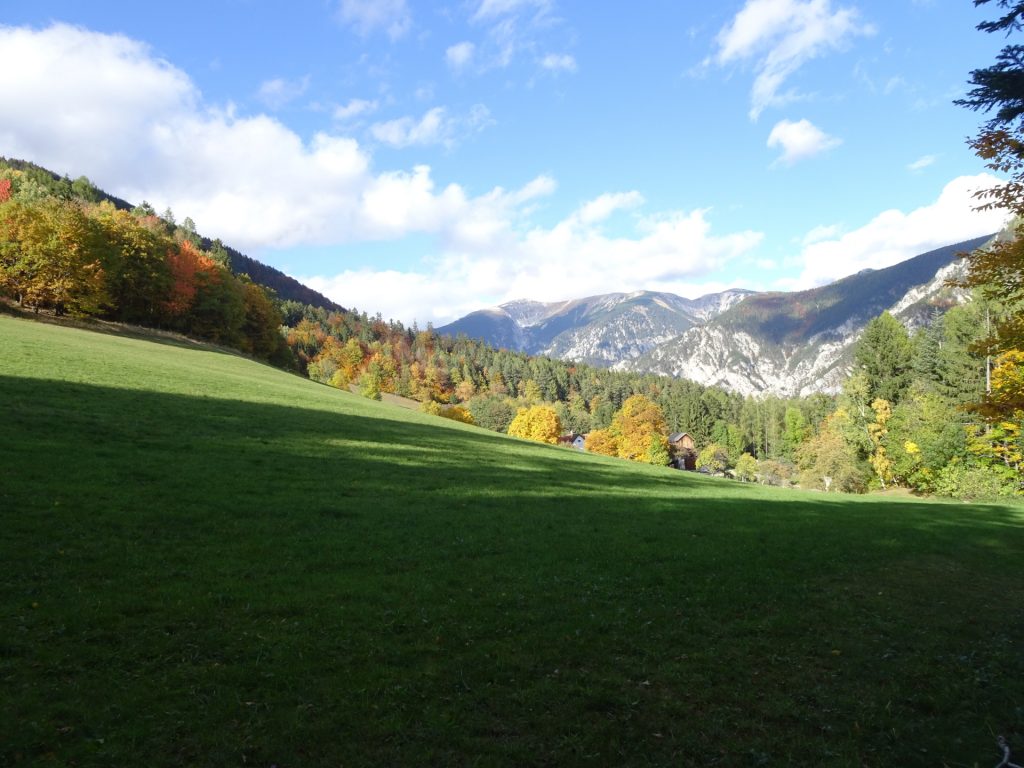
pixel 683 450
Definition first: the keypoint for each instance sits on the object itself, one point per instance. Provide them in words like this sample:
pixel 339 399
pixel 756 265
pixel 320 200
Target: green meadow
pixel 205 561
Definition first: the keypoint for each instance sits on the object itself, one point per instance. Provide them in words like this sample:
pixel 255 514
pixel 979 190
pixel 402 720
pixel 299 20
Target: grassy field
pixel 206 561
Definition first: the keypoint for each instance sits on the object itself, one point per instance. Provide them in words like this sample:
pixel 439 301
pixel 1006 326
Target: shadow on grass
pixel 190 580
pixel 207 445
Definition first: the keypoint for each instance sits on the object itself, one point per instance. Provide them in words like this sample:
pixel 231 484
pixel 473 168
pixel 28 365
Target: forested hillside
pixel 910 414
pixel 29 181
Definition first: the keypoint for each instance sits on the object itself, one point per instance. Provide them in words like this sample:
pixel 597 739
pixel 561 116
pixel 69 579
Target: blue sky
pixel 427 159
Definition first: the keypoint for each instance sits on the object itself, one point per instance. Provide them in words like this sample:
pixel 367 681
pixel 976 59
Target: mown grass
pixel 206 561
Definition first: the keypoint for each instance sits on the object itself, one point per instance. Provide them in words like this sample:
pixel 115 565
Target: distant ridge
pixel 749 342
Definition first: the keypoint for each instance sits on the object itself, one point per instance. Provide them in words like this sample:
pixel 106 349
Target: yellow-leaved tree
pixel 538 422
pixel 601 441
pixel 639 430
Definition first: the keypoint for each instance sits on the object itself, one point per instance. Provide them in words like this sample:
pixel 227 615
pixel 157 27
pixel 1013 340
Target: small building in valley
pixel 683 450
pixel 572 440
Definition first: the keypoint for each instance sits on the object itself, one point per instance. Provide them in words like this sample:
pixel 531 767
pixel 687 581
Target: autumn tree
pixel 601 441
pixel 877 429
pixel 713 458
pixel 456 413
pixel 639 429
pixel 50 256
pixel 746 468
pixel 139 273
pixel 923 434
pixel 538 422
pixel 828 461
pixel 185 263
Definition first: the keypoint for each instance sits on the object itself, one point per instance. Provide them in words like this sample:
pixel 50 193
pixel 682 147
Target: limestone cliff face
pixel 780 343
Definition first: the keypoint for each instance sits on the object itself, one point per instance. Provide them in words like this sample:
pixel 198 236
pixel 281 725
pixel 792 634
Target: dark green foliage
pixel 885 355
pixel 492 412
pixel 927 344
pixel 1000 86
pixel 218 311
pixel 961 369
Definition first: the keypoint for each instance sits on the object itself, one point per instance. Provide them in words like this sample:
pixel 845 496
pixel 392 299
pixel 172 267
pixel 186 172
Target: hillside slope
pixel 284 286
pixel 801 342
pixel 210 562
pixel 782 343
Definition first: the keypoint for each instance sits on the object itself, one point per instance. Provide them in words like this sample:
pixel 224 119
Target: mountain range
pixel 784 343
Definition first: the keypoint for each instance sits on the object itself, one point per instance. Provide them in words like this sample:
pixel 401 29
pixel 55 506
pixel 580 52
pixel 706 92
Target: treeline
pixel 908 415
pixel 912 413
pixel 67 248
pixel 355 350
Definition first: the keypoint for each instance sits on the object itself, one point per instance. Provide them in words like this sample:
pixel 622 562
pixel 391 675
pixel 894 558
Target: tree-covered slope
pixel 796 317
pixel 45 181
pixel 209 561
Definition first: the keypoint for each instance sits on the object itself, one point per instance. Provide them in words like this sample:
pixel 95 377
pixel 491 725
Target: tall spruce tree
pixel 884 354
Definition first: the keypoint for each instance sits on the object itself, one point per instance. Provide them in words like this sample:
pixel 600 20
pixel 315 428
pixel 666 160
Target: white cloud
pixel 492 8
pixel 922 162
pixel 823 232
pixel 779 37
pixel 280 91
pixel 355 108
pixel 111 90
pixel 366 16
pixel 604 206
pixel 799 140
pixel 516 28
pixel 894 236
pixel 459 55
pixel 435 127
pixel 138 128
pixel 559 62
pixel 495 262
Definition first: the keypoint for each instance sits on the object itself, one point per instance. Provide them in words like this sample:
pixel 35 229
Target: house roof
pixel 675 437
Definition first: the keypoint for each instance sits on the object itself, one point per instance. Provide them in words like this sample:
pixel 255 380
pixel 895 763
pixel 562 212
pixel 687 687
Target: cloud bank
pixel 894 236
pixel 139 127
